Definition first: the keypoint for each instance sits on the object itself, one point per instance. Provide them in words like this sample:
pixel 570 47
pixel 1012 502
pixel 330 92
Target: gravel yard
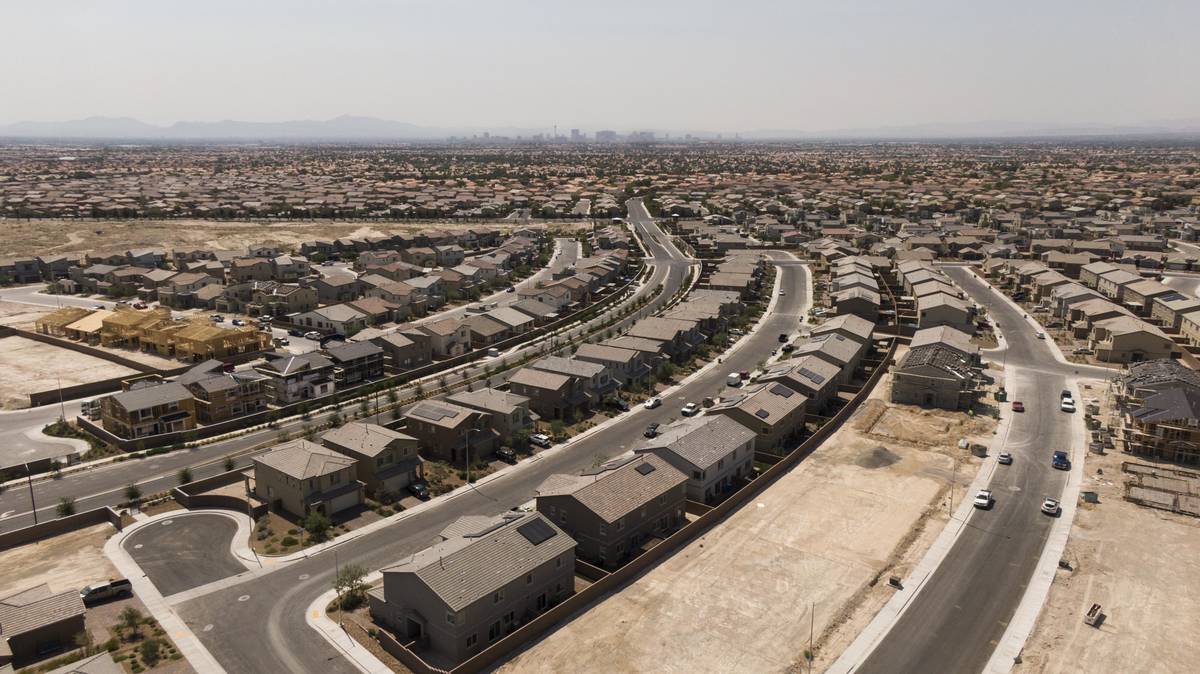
pixel 27 366
pixel 740 597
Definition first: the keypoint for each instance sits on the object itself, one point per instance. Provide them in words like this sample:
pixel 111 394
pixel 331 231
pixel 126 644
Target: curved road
pixel 179 553
pixel 269 633
pixel 955 621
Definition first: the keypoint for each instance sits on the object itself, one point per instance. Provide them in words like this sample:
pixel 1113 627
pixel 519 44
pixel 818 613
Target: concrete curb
pixel 355 653
pixel 189 645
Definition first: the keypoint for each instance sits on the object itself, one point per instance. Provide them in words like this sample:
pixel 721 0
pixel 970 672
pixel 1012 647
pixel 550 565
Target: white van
pixel 734 379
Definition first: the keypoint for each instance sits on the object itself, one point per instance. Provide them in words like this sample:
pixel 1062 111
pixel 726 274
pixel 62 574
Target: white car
pixel 312 334
pixel 651 403
pixel 1050 506
pixel 541 440
pixel 1004 458
pixel 983 500
pixel 1041 335
pixel 690 410
pixel 1067 405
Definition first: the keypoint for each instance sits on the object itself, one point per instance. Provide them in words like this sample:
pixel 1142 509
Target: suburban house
pixel 594 377
pixel 299 476
pixel 148 407
pixel 814 377
pixel 943 309
pixel 860 302
pixel 715 452
pixel 835 348
pixel 335 319
pixel 772 410
pixel 220 395
pixel 612 510
pixel 387 460
pixel 1126 339
pixel 292 378
pixel 1159 405
pixel 355 363
pixel 36 621
pixel 625 366
pixel 450 432
pixel 335 289
pixel 405 349
pixel 483 578
pixel 448 337
pixel 1168 311
pixel 679 338
pixel 934 376
pixel 508 413
pixel 552 395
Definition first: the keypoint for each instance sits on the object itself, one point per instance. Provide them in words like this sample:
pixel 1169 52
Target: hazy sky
pixel 695 64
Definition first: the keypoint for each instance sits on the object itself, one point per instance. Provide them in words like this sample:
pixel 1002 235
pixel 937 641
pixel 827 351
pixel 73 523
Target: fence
pixel 261 418
pixel 192 496
pixel 62 525
pixel 627 573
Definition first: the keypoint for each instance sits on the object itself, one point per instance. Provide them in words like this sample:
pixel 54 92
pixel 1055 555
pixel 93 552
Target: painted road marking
pixel 244 597
pixel 166 522
pixel 207 628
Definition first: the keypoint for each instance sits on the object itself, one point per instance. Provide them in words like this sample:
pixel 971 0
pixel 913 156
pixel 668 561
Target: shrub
pixel 66 507
pixel 288 541
pixel 149 651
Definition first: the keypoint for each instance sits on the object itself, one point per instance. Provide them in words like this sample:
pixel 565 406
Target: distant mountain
pixel 346 127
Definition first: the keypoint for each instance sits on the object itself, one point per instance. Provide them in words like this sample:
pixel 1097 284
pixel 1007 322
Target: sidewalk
pixel 354 652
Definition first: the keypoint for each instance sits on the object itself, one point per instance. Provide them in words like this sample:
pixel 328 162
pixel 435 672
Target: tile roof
pixel 363 438
pixel 37 607
pixel 301 459
pixel 618 487
pixel 701 440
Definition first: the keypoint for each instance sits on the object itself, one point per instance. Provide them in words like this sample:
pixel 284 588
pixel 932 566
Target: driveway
pixel 179 553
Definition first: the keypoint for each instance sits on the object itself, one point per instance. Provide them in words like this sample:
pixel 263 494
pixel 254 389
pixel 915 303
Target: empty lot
pixel 65 562
pixel 27 366
pixel 740 597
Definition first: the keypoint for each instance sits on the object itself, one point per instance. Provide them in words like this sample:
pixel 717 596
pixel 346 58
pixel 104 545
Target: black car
pixel 787 348
pixel 295 332
pixel 511 289
pixel 506 455
pixel 1064 395
pixel 651 431
pixel 419 490
pixel 620 403
pixel 783 337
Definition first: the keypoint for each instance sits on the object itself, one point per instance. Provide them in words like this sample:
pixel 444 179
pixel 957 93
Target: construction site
pixel 191 339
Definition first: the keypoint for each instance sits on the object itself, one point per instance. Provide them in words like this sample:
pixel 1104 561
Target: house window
pixel 451 618
pixel 603 530
pixel 529 579
pixel 558 563
pixel 620 524
pixel 494 631
pixel 497 596
pixel 508 617
pixel 472 640
pixel 696 475
pixel 662 499
pixel 335 478
pixel 720 464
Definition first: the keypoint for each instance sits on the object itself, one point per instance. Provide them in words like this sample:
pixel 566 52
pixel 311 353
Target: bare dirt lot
pixel 39 237
pixel 27 366
pixel 740 597
pixel 21 315
pixel 64 562
pixel 1140 564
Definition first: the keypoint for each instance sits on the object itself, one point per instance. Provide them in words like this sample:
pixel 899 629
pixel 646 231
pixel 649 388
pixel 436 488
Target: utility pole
pixel 62 407
pixel 32 502
pixel 812 619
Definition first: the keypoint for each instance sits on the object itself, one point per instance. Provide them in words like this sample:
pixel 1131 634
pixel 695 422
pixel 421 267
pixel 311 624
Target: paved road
pixel 106 485
pixel 268 631
pixel 956 620
pixel 180 553
pixel 1188 284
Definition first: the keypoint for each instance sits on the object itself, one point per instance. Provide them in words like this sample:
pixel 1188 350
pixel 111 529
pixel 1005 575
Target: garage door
pixel 344 501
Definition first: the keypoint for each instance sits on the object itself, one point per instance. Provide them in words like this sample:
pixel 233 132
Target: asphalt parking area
pixel 179 553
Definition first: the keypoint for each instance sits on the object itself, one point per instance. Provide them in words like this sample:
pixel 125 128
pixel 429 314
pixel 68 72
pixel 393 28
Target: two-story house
pixel 299 476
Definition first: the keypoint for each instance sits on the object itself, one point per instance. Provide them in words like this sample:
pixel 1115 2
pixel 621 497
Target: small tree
pixel 184 475
pixel 66 506
pixel 557 428
pixel 230 464
pixel 130 619
pixel 317 525
pixel 149 650
pixel 351 586
pixel 132 493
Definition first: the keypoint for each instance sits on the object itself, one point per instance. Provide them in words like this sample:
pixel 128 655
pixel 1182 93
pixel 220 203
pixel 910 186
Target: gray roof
pixel 770 402
pixel 482 555
pixel 1162 371
pixel 849 323
pixel 1171 405
pixel 363 438
pixel 528 376
pixel 36 607
pixel 440 413
pixel 937 356
pixel 149 396
pixel 809 370
pixel 570 367
pixel 945 335
pixel 301 459
pixel 285 363
pixel 353 351
pixel 702 440
pixel 490 400
pixel 832 346
pixel 618 487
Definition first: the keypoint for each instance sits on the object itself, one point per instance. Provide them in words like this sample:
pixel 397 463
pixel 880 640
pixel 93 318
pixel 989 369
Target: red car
pixel 1018 406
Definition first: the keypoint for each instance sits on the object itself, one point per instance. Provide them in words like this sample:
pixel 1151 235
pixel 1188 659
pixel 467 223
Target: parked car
pixel 651 403
pixel 1082 351
pixel 783 337
pixel 1067 405
pixel 984 500
pixel 1060 461
pixel 788 348
pixel 1065 393
pixel 1050 506
pixel 295 332
pixel 139 305
pixel 281 341
pixel 1040 335
pixel 98 307
pixel 1018 406
pixel 312 334
pixel 98 592
pixel 689 410
pixel 541 440
pixel 744 374
pixel 651 431
pixel 419 490
pixel 506 455
pixel 217 318
pixel 782 293
pixel 493 353
pixel 511 289
pixel 238 321
pixel 733 379
pixel 1004 458
pixel 619 403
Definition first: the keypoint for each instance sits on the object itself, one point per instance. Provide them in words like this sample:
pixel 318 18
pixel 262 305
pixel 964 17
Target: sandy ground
pixel 65 562
pixel 38 237
pixel 1140 564
pixel 740 598
pixel 21 315
pixel 27 366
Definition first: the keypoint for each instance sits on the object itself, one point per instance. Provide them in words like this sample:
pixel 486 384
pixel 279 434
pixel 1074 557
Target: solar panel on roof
pixel 762 414
pixel 431 412
pixel 805 372
pixel 536 531
pixel 645 468
pixel 781 390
